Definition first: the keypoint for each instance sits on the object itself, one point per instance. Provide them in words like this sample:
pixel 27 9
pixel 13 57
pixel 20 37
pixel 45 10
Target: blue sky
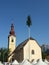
pixel 16 11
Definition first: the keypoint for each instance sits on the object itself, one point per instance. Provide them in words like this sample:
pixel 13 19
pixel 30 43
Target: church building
pixel 28 49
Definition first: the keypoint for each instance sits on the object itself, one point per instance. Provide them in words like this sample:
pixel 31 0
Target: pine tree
pixel 29 23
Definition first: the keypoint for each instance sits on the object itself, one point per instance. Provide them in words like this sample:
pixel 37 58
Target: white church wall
pixel 37 50
pixel 12 45
pixel 32 45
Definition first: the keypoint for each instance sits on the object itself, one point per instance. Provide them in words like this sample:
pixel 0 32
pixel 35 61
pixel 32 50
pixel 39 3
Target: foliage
pixel 28 22
pixel 43 55
pixel 4 54
pixel 47 52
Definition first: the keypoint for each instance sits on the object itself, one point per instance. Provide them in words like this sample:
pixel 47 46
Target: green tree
pixel 4 54
pixel 29 23
pixel 44 55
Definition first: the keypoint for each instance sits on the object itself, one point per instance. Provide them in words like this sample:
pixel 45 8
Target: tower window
pixel 32 51
pixel 12 40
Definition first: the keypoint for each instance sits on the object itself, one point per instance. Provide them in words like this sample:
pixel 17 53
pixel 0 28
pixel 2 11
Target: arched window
pixel 12 40
pixel 32 51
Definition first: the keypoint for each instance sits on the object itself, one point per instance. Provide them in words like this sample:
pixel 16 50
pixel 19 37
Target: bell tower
pixel 11 42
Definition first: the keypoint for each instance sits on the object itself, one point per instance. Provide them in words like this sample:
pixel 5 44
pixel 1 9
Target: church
pixel 29 49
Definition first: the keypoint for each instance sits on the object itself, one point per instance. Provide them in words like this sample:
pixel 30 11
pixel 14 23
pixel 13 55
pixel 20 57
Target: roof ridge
pixel 24 42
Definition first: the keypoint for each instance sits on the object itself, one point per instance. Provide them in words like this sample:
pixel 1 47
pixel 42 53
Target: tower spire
pixel 12 30
pixel 11 42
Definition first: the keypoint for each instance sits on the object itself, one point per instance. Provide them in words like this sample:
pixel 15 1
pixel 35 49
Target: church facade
pixel 28 49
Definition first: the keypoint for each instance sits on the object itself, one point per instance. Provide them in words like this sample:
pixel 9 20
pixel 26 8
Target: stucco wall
pixel 10 58
pixel 12 45
pixel 32 45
